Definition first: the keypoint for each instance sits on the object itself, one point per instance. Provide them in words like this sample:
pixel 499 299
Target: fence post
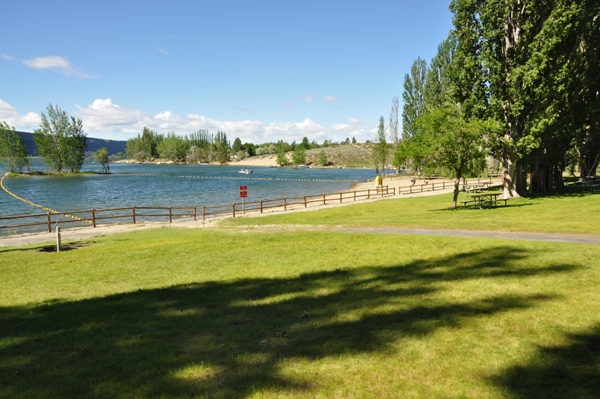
pixel 194 213
pixel 305 201
pixel 233 208
pixel 340 197
pixel 133 213
pixel 324 200
pixel 203 213
pixel 261 206
pixel 354 195
pixel 94 217
pixel 58 245
pixel 432 186
pixel 170 215
pixel 284 203
pixel 49 223
pixel 369 193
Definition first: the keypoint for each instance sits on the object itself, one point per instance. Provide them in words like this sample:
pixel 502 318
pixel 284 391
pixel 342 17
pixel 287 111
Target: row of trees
pixel 203 146
pixel 516 80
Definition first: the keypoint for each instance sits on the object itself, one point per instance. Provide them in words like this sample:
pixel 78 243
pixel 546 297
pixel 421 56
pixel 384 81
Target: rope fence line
pixel 38 205
pixel 285 203
pixel 239 178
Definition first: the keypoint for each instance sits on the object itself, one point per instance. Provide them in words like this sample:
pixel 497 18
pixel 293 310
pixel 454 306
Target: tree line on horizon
pixel 203 146
pixel 516 81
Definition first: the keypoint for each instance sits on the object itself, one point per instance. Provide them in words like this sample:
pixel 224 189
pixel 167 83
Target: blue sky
pixel 259 70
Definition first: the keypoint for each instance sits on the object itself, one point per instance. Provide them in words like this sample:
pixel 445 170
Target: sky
pixel 259 70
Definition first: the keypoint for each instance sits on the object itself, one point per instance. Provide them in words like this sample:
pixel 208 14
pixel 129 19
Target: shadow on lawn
pixel 569 371
pixel 229 339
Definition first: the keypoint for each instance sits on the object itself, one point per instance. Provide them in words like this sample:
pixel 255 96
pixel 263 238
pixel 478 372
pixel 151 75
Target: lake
pixel 164 185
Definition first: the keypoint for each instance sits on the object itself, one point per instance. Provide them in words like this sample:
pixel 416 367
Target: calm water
pixel 163 185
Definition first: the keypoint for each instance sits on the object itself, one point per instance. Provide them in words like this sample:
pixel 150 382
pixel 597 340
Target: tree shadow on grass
pixel 229 339
pixel 568 371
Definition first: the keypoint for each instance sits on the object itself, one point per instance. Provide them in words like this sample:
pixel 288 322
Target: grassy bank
pixel 571 213
pixel 227 314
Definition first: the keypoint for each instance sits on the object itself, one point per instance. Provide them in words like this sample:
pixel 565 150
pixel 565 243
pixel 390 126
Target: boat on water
pixel 246 171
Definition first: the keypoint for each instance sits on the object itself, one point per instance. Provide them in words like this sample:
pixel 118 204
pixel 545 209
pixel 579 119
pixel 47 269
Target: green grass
pixel 566 213
pixel 174 313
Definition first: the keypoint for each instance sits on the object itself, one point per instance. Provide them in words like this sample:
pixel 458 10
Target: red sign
pixel 243 188
pixel 243 191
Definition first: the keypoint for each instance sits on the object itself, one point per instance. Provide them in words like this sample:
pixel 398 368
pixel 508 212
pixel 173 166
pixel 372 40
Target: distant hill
pixel 93 145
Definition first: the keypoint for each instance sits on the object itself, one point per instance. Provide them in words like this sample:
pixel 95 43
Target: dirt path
pixel 88 232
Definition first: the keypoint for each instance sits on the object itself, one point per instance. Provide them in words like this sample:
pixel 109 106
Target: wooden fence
pixel 134 214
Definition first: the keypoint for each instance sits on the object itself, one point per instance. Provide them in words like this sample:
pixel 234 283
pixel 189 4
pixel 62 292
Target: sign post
pixel 243 195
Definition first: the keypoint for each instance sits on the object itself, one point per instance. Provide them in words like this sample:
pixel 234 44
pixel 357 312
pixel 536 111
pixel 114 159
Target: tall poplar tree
pixel 413 97
pixel 528 64
pixel 394 136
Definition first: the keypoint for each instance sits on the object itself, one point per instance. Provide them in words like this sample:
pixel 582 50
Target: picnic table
pixel 476 188
pixel 589 183
pixel 480 200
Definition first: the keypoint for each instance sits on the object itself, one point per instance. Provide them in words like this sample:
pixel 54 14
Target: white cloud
pixel 104 119
pixel 28 122
pixel 330 99
pixel 163 52
pixel 7 57
pixel 287 105
pixel 56 64
pixel 308 99
pixel 340 127
pixel 355 128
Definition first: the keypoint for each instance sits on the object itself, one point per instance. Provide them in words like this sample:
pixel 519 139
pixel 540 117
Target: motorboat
pixel 246 171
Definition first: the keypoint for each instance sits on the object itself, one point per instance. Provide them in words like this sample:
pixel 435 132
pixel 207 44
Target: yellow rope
pixel 238 178
pixel 38 205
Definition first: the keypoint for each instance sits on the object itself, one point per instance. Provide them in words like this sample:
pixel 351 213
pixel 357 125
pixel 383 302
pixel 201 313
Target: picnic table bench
pixel 590 183
pixel 480 200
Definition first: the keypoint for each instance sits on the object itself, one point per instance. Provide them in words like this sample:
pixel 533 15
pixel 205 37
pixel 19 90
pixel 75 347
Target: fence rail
pixel 135 214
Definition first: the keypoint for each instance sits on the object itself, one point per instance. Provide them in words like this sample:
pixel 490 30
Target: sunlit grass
pixel 568 213
pixel 278 314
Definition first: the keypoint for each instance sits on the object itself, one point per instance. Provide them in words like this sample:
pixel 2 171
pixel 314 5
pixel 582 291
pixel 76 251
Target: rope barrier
pixel 239 178
pixel 38 205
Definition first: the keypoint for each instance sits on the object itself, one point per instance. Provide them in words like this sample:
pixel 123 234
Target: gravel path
pixel 88 232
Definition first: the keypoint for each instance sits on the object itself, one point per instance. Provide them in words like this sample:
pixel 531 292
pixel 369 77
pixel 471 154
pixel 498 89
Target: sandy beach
pixel 266 160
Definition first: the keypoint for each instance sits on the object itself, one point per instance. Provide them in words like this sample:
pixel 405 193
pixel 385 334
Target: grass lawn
pixel 180 313
pixel 568 213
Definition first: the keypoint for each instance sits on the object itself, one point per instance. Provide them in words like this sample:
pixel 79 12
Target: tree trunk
pixel 456 191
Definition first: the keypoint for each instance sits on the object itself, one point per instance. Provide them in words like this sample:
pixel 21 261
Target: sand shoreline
pixel 266 160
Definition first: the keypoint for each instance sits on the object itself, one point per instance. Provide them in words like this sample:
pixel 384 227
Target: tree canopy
pixel 12 149
pixel 60 140
pixel 528 68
